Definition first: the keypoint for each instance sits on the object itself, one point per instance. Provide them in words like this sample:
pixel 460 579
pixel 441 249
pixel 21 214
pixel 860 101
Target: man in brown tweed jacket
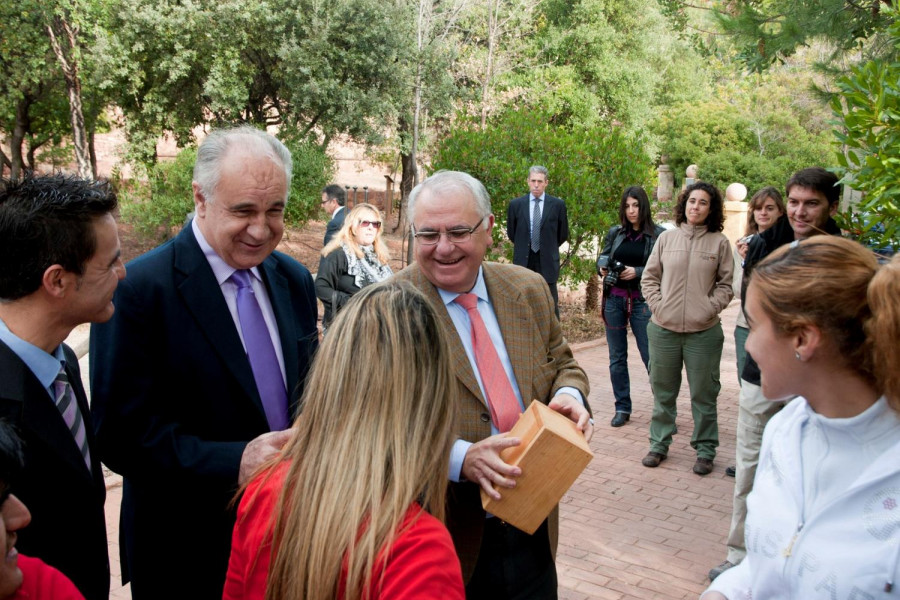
pixel 451 219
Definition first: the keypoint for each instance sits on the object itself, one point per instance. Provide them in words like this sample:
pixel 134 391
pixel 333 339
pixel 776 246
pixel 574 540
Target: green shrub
pixel 589 168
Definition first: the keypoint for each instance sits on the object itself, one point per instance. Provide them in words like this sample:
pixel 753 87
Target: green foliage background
pixel 589 168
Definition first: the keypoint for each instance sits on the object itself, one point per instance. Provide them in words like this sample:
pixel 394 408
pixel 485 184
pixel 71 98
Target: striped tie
pixel 536 226
pixel 68 408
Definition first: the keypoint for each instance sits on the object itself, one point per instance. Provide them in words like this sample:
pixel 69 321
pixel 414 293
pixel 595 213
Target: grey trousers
pixel 754 411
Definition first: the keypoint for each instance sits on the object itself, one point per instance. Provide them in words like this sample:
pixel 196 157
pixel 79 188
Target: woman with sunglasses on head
pixel 352 508
pixel 823 519
pixel 354 258
pixel 625 253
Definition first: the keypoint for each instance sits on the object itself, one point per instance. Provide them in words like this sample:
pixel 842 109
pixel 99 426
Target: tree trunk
pixel 69 67
pixel 20 128
pixel 92 150
pixel 592 294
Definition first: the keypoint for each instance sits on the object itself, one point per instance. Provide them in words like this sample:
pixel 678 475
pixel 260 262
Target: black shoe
pixel 719 569
pixel 620 419
pixel 731 472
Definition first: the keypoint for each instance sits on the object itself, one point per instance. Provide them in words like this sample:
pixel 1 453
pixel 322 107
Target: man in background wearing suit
pixel 333 200
pixel 508 351
pixel 59 267
pixel 196 377
pixel 537 225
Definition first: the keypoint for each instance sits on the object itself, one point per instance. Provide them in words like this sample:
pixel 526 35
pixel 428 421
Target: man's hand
pixel 259 450
pixel 568 405
pixel 483 465
pixel 627 274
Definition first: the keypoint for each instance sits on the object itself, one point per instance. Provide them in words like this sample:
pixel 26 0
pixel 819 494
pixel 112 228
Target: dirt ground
pixel 306 243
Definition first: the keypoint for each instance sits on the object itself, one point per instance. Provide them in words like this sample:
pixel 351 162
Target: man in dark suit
pixel 59 268
pixel 333 200
pixel 537 225
pixel 496 315
pixel 197 376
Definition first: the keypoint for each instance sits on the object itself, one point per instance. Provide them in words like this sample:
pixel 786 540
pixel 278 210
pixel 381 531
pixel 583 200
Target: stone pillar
pixel 690 176
pixel 665 188
pixel 735 211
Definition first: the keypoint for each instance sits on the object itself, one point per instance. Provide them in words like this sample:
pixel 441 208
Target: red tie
pixel 502 401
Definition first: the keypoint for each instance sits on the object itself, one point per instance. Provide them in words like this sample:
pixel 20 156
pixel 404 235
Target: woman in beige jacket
pixel 687 283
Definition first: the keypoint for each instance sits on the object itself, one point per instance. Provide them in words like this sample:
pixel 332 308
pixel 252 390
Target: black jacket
pixel 334 285
pixel 614 239
pixel 68 526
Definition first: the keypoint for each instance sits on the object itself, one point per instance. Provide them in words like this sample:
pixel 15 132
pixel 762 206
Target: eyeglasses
pixel 375 224
pixel 454 236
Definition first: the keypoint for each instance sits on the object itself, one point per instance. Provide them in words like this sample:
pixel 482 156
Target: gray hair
pixel 539 169
pixel 447 183
pixel 214 149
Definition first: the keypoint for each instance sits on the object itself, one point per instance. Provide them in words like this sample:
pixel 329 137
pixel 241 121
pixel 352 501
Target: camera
pixel 614 268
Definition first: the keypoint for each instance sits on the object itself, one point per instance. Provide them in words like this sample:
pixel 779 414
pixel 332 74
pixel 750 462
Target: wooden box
pixel 552 455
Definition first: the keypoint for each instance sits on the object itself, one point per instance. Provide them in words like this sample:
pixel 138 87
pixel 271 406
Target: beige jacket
pixel 687 280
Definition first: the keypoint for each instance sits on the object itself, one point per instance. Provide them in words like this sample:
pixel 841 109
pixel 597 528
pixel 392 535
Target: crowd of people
pixel 264 458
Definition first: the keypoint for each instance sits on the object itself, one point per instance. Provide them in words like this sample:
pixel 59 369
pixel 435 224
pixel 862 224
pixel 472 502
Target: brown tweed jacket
pixel 541 359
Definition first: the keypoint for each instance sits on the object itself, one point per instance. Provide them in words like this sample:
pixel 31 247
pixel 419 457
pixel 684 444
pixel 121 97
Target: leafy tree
pixel 768 32
pixel 745 133
pixel 589 168
pixel 868 109
pixel 323 68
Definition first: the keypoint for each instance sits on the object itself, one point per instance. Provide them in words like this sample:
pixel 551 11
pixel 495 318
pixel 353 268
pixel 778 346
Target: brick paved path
pixel 627 532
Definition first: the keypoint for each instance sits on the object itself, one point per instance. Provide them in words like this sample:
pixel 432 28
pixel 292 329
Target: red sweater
pixel 421 565
pixel 40 581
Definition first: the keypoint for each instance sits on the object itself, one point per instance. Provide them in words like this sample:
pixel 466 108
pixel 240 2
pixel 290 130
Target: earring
pixel 797 355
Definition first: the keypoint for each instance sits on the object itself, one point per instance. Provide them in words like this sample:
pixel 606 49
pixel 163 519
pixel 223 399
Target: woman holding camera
pixel 621 264
pixel 687 283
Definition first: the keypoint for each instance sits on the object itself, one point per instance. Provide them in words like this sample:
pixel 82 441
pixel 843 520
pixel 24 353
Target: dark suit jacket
pixel 335 224
pixel 175 404
pixel 68 526
pixel 541 359
pixel 554 231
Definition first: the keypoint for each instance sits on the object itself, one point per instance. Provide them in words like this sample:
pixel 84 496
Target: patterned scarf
pixel 368 269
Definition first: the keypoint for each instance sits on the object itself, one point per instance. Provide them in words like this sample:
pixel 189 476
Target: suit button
pixel 485 418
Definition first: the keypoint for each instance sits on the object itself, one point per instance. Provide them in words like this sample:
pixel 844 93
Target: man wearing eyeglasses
pixel 509 350
pixel 537 225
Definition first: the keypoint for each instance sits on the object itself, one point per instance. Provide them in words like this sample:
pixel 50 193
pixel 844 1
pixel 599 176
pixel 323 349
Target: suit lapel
pixel 39 412
pixel 280 297
pixel 200 291
pixel 512 315
pixel 461 365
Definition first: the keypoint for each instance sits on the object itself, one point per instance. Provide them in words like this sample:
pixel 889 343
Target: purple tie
pixel 68 408
pixel 261 353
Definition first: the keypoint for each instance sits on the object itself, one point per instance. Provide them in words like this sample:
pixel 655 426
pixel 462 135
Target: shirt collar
pixel 479 289
pixel 44 366
pixel 221 269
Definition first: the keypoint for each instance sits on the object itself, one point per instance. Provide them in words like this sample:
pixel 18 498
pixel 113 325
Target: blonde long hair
pixel 347 234
pixel 374 436
pixel 838 286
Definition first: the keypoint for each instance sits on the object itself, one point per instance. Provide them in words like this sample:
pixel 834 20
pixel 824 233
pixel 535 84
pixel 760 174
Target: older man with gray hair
pixel 197 376
pixel 537 224
pixel 509 350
